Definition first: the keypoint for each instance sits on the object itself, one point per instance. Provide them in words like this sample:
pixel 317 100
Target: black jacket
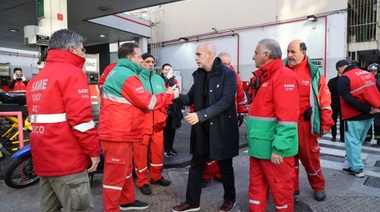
pixel 213 96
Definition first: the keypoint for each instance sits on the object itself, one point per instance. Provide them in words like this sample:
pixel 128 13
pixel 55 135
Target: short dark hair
pixel 341 63
pixel 17 69
pixel 127 49
pixel 303 46
pixel 166 64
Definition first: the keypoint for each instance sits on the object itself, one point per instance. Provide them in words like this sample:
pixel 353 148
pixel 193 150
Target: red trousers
pixel 211 170
pixel 152 146
pixel 266 176
pixel 118 185
pixel 308 153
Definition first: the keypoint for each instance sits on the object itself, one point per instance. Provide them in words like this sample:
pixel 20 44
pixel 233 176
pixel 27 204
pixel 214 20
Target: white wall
pixel 325 39
pixel 192 17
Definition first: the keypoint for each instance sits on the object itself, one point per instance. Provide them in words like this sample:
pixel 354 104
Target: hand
pixel 374 110
pixel 14 76
pixel 94 164
pixel 240 119
pixel 23 78
pixel 176 93
pixel 170 90
pixel 276 159
pixel 324 132
pixel 192 118
pixel 170 74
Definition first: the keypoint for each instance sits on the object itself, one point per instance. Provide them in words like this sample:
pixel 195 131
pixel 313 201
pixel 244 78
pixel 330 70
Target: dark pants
pixel 194 183
pixel 335 114
pixel 375 127
pixel 169 134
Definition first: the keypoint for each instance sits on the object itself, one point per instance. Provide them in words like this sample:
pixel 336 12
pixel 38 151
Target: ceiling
pixel 18 13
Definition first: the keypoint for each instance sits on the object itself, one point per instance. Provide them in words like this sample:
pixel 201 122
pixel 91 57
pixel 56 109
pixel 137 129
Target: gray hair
pixel 64 38
pixel 272 47
pixel 222 54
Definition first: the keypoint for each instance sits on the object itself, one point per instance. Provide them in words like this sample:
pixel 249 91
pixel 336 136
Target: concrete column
pixel 143 44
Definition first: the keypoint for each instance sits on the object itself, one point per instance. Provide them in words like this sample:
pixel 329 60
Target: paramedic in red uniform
pixel 315 116
pixel 64 141
pixel 212 167
pixel 121 123
pixel 152 145
pixel 272 130
pixel 19 82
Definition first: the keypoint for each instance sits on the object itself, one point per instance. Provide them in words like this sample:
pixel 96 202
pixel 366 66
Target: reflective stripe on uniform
pixel 115 98
pixel 152 102
pixel 112 187
pixel 314 174
pixel 84 126
pixel 362 87
pixel 256 202
pixel 281 207
pixel 48 118
pixel 156 165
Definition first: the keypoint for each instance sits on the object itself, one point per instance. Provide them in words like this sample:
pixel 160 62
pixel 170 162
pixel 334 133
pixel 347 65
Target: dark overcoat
pixel 218 112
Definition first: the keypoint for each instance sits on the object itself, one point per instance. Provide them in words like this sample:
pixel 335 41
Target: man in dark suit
pixel 214 131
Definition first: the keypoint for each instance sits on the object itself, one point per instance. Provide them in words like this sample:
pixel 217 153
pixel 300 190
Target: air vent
pixel 373 182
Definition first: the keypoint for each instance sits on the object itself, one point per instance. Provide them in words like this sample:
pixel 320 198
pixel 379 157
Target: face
pixel 80 50
pixel 374 72
pixel 203 58
pixel 136 57
pixel 226 60
pixel 165 70
pixel 340 70
pixel 260 58
pixel 148 63
pixel 18 72
pixel 295 55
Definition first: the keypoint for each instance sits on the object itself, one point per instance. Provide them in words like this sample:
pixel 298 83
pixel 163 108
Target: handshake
pixel 173 90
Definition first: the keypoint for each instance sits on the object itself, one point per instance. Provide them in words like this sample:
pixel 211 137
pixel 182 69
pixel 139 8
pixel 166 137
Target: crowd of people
pixel 140 111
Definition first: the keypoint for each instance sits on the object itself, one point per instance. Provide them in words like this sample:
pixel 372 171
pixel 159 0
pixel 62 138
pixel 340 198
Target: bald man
pixel 214 127
pixel 315 116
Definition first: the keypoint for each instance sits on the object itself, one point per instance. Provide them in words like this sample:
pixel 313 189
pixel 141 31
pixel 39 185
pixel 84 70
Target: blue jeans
pixel 354 137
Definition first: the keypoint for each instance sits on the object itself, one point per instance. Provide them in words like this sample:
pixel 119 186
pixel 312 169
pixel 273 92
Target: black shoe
pixel 349 171
pixel 205 182
pixel 297 192
pixel 136 205
pixel 378 142
pixel 145 189
pixel 168 154
pixel 162 182
pixel 333 139
pixel 366 140
pixel 173 152
pixel 320 195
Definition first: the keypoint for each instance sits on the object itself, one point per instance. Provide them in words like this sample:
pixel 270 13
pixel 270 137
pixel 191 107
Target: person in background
pixel 272 130
pixel 315 116
pixel 211 170
pixel 19 82
pixel 360 100
pixel 173 121
pixel 150 149
pixel 335 106
pixel 64 141
pixel 104 76
pixel 214 127
pixel 374 68
pixel 121 123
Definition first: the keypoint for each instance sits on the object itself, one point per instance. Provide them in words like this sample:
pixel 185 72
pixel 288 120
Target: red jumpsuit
pixel 309 149
pixel 212 167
